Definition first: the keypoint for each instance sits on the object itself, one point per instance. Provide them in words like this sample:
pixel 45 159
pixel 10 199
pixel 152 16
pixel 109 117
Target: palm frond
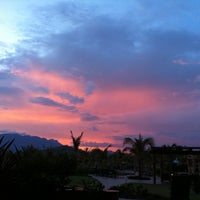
pixel 128 140
pixel 106 149
pixel 128 149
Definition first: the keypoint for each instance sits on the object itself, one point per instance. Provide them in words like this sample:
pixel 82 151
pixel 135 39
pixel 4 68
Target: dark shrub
pixel 129 191
pixel 180 187
pixel 196 184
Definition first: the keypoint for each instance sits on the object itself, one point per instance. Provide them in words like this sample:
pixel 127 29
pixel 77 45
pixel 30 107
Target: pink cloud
pixel 182 62
pixel 112 111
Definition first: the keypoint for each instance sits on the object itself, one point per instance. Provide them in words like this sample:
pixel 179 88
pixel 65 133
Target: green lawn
pixel 159 189
pixel 85 182
pixel 78 180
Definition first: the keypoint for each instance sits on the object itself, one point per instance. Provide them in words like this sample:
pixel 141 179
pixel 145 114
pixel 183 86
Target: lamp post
pixel 175 166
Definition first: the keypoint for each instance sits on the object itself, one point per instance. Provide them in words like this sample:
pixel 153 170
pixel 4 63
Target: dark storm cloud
pixel 112 51
pixel 186 134
pixel 121 138
pixel 88 117
pixel 117 122
pixel 89 88
pixel 11 91
pixel 183 41
pixel 181 120
pixel 94 128
pixel 189 137
pixel 11 97
pixel 40 89
pixel 109 50
pixel 71 98
pixel 4 75
pixel 49 102
pixel 98 42
pixel 8 79
pixel 92 47
pixel 155 66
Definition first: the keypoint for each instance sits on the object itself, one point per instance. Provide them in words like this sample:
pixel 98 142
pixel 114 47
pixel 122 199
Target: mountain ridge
pixel 25 140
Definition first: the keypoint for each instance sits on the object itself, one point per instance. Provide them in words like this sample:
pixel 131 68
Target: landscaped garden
pixel 61 172
pixel 132 190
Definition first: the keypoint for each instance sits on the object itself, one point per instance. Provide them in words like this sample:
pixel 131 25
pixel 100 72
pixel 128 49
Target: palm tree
pixel 139 147
pixel 76 141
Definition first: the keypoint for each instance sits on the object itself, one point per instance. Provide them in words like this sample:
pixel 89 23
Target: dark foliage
pixel 131 191
pixel 180 187
pixel 41 171
pixel 33 171
pixel 7 165
pixel 196 184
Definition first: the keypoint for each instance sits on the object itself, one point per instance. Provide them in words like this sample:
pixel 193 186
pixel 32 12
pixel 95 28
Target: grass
pixel 158 189
pixel 86 182
pixel 77 180
pixel 162 190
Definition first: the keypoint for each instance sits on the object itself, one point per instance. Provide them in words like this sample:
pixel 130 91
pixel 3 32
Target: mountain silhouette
pixel 23 140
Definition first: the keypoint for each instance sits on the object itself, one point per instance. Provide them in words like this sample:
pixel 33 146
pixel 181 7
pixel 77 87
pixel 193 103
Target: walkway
pixel 109 182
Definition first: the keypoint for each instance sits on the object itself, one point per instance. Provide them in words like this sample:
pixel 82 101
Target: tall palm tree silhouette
pixel 139 147
pixel 76 141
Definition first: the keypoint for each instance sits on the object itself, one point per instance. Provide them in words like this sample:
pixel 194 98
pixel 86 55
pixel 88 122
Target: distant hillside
pixel 21 140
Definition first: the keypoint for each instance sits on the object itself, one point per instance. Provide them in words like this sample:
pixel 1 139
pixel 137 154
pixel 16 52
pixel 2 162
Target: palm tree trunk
pixel 140 166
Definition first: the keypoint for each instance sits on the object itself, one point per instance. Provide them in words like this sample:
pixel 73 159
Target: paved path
pixel 109 182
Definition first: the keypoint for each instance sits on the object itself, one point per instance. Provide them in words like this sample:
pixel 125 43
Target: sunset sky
pixel 110 68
